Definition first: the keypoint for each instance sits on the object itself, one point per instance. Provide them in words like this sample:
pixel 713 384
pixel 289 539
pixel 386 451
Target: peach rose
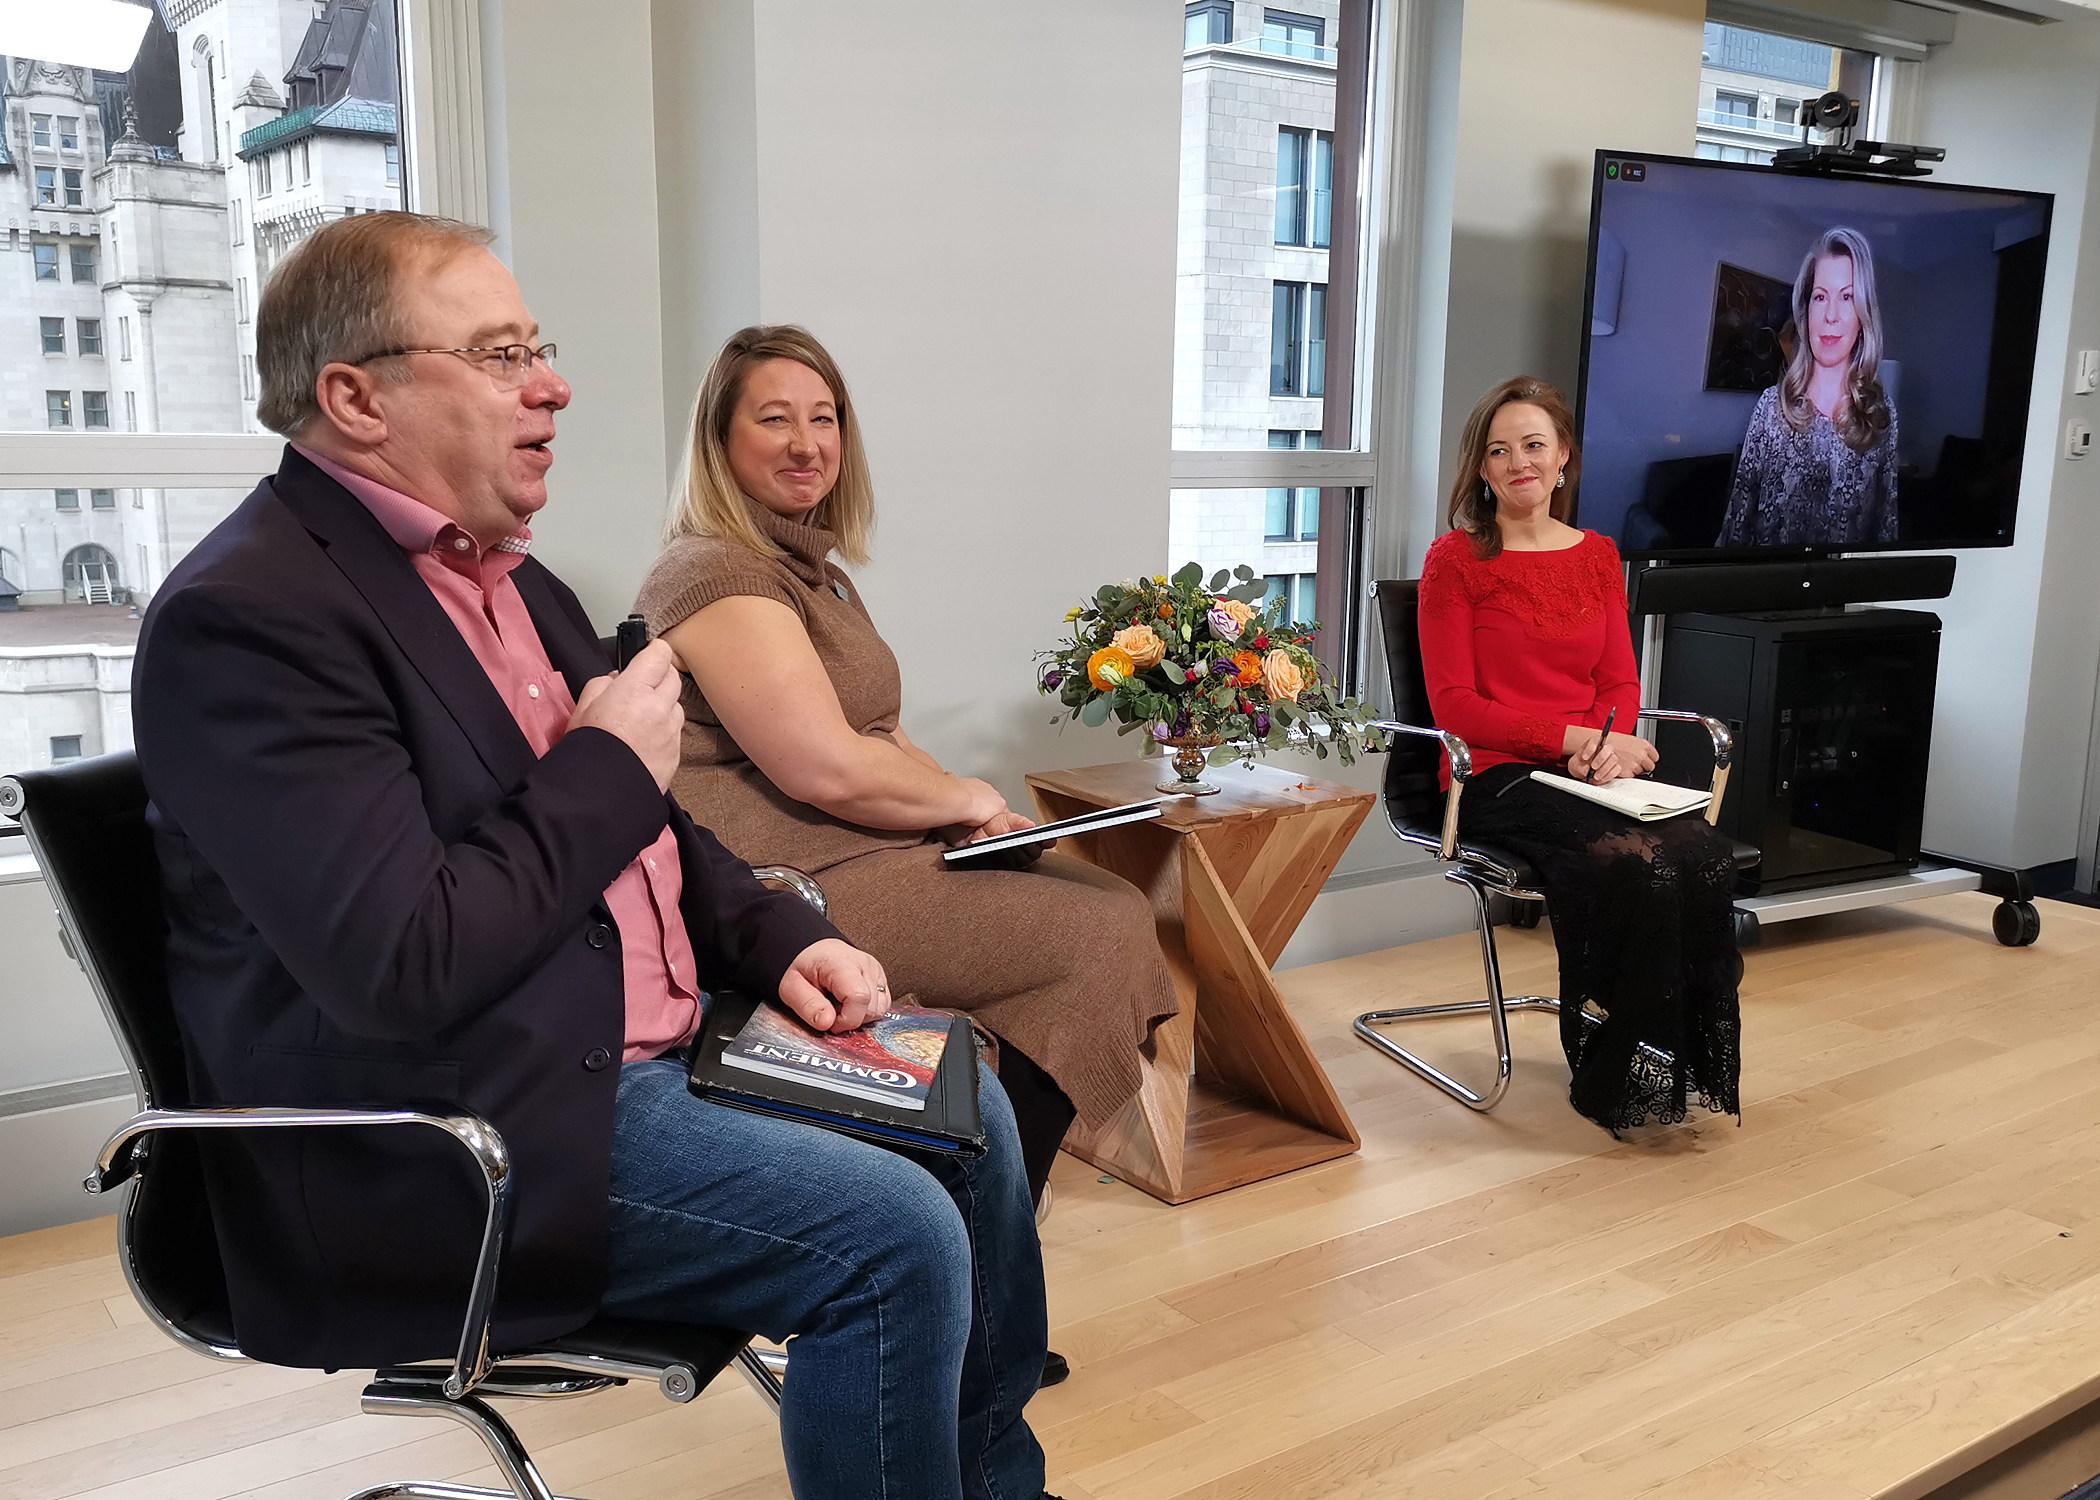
pixel 1144 647
pixel 1241 613
pixel 1280 675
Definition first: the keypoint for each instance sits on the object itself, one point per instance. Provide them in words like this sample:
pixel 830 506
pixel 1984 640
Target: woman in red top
pixel 1527 653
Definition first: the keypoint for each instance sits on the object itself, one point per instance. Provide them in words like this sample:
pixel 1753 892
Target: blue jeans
pixel 912 1285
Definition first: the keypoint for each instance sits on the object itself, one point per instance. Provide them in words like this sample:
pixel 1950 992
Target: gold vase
pixel 1191 754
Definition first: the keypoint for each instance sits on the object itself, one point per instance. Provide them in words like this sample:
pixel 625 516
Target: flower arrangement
pixel 1200 665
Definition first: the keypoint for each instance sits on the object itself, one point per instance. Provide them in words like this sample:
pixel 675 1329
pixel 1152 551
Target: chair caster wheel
pixel 1746 932
pixel 2016 923
pixel 1526 914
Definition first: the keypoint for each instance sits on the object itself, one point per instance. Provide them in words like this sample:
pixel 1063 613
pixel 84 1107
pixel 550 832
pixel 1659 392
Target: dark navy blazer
pixel 376 895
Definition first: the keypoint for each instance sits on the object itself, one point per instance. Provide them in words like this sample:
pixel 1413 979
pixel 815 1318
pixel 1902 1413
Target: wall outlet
pixel 2078 440
pixel 2087 379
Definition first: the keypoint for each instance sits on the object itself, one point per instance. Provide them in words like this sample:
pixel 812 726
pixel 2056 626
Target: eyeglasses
pixel 507 365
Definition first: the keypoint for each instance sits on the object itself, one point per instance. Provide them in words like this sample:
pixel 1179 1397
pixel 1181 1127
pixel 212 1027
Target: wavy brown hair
pixel 707 501
pixel 1472 507
pixel 1864 418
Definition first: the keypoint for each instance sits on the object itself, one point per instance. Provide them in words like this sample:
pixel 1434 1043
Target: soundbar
pixel 1812 583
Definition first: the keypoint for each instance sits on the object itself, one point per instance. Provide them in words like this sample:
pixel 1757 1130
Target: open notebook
pixel 1648 801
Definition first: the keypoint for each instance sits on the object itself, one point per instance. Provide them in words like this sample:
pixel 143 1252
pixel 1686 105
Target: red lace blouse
pixel 1519 646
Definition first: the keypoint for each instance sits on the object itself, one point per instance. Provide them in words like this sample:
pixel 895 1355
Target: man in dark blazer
pixel 416 847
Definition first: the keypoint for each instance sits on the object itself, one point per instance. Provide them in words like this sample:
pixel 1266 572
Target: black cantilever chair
pixel 1426 816
pixel 87 827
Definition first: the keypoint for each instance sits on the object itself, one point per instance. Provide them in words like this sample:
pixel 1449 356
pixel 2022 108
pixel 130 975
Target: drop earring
pixel 1487 495
pixel 1561 483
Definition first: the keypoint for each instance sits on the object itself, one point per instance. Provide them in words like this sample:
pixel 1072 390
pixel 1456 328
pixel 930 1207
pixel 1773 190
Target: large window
pixel 1208 24
pixel 1304 187
pixel 1268 468
pixel 1298 339
pixel 1751 84
pixel 215 101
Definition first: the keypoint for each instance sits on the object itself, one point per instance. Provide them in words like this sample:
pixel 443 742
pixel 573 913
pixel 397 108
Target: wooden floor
pixel 1888 1273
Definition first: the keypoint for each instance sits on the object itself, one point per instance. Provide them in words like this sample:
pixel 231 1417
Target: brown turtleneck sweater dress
pixel 1059 961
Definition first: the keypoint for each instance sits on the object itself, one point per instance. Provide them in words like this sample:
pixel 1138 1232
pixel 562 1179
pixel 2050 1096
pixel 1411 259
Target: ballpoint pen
pixel 1609 719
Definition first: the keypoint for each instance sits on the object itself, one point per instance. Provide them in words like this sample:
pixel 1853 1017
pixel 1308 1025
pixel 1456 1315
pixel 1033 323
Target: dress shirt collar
pixel 414 526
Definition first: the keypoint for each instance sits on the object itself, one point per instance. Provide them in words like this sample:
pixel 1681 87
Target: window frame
pixel 94 404
pixel 46 266
pixel 97 501
pixel 47 187
pixel 74 740
pixel 58 498
pixel 1299 187
pixel 444 170
pixel 40 134
pixel 68 140
pixel 73 184
pixel 85 338
pixel 1211 10
pixel 84 255
pixel 58 404
pixel 45 335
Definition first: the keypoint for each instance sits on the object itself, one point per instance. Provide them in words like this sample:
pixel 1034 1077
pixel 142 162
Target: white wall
pixel 2019 106
pixel 1544 85
pixel 974 207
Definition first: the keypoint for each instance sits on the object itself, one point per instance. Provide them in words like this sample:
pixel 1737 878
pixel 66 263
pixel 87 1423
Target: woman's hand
pixel 1007 821
pixel 833 986
pixel 1620 756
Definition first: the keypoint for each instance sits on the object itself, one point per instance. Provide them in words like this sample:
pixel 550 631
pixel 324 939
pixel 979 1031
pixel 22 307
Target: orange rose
pixel 1144 648
pixel 1166 611
pixel 1250 668
pixel 1241 613
pixel 1109 666
pixel 1281 675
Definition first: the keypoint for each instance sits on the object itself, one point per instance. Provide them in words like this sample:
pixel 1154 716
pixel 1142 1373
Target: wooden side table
pixel 1234 1094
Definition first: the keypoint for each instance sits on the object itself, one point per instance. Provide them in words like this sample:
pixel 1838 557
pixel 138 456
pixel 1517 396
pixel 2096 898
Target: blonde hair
pixel 335 297
pixel 1865 415
pixel 706 500
pixel 1472 505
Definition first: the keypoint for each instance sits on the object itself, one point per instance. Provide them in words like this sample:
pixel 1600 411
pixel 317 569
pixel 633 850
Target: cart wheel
pixel 1525 914
pixel 1746 933
pixel 2016 923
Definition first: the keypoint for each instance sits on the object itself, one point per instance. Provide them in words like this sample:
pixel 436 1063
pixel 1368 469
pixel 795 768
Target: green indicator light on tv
pixel 1611 169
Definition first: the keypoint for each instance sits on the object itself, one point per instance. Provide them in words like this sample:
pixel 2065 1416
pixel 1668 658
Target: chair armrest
pixel 1461 772
pixel 787 877
pixel 1724 750
pixel 115 1163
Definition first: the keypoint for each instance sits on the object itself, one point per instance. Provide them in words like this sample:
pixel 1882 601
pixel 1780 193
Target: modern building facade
pixel 1257 177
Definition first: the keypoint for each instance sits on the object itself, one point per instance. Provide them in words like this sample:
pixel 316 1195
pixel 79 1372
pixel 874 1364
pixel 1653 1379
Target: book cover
pixel 890 1061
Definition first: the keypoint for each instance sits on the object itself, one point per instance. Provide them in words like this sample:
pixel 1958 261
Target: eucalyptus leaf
pixel 1173 673
pixel 1243 572
pixel 1221 754
pixel 1189 574
pixel 1248 593
pixel 1095 714
pixel 1218 580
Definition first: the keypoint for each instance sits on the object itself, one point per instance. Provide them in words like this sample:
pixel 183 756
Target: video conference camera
pixel 1836 114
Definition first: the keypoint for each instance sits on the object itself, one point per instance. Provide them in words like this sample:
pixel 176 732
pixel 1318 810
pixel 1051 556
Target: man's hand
pixel 833 986
pixel 640 708
pixel 1005 822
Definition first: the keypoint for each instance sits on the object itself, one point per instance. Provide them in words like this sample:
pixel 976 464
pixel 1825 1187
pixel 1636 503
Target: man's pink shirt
pixel 475 590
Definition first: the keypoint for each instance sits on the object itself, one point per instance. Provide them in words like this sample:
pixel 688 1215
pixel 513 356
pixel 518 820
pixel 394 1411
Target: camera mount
pixel 1837 115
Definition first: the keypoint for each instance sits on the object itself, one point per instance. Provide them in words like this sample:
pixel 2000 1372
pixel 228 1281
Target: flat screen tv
pixel 1715 425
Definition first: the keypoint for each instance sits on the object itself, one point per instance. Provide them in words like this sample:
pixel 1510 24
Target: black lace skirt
pixel 1648 964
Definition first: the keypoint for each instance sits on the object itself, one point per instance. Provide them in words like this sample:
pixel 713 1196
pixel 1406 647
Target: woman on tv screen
pixel 1819 459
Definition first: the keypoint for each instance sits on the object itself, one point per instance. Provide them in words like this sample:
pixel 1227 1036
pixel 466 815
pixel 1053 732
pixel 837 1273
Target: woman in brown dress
pixel 793 754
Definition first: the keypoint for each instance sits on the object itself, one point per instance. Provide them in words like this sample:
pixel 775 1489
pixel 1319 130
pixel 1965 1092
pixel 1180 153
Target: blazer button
pixel 595 1060
pixel 599 935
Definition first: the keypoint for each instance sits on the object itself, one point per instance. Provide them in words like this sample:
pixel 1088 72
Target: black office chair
pixel 86 825
pixel 1426 816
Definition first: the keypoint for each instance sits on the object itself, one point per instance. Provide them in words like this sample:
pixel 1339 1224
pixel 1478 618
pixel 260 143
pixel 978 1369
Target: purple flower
pixel 1261 723
pixel 1224 626
pixel 1181 725
pixel 1222 668
pixel 1052 679
pixel 1160 731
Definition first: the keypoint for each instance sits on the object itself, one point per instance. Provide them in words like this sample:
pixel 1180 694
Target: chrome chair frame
pixel 454 1391
pixel 1484 875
